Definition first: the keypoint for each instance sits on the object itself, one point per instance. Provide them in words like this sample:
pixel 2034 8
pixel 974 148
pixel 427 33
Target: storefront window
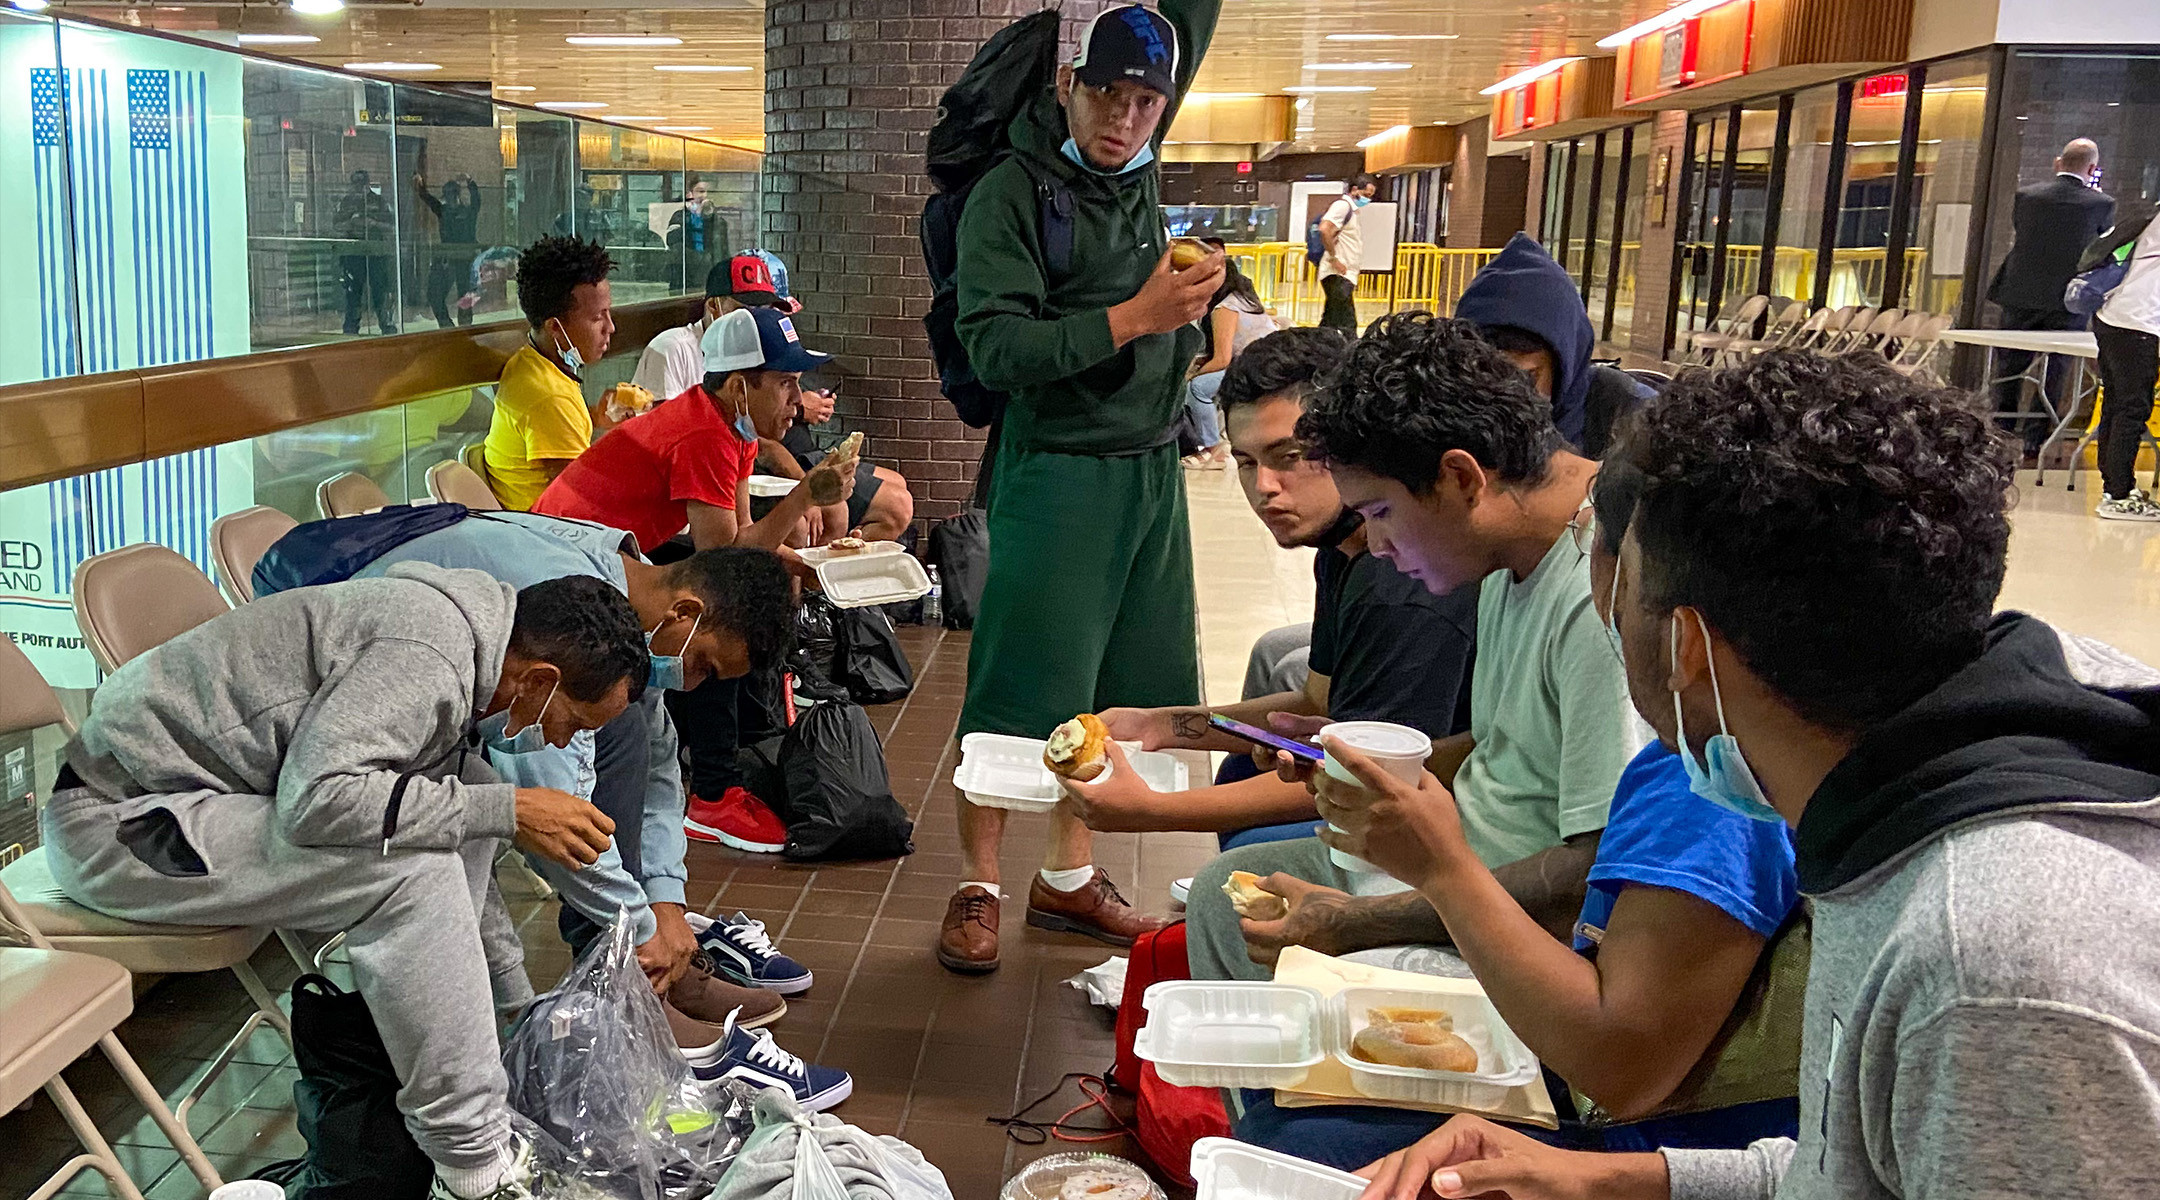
pixel 1629 243
pixel 1750 202
pixel 1557 155
pixel 1603 234
pixel 1582 222
pixel 1706 150
pixel 1945 178
pixel 1807 170
pixel 1870 189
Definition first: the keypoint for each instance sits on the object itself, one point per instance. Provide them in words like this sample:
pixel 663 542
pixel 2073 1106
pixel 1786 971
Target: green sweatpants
pixel 1088 603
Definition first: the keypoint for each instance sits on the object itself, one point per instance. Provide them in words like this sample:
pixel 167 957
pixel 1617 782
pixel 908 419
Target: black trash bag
pixel 872 666
pixel 346 1102
pixel 759 765
pixel 960 550
pixel 839 803
pixel 815 661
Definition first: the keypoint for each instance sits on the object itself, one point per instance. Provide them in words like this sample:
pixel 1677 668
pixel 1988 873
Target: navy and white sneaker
pixel 751 1056
pixel 744 954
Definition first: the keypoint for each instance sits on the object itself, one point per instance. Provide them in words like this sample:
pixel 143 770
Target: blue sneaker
pixel 744 954
pixel 751 1056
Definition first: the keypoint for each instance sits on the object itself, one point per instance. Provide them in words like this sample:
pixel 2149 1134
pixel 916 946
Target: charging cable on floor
pixel 1034 1133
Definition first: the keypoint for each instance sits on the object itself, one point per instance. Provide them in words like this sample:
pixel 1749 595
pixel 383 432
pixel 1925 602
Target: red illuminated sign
pixel 1882 86
pixel 1244 168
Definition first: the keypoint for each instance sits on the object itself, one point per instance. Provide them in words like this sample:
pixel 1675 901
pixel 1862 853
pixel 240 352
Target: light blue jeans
pixel 1200 401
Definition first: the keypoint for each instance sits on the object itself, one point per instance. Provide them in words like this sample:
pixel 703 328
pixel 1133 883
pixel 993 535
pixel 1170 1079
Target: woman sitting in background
pixel 1236 320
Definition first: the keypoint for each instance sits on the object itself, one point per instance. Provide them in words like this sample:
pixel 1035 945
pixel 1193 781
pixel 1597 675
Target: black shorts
pixel 867 484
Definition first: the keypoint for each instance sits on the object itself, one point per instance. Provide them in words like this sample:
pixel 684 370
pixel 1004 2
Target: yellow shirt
pixel 540 413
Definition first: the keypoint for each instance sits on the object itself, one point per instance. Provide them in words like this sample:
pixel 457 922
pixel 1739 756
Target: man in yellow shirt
pixel 541 423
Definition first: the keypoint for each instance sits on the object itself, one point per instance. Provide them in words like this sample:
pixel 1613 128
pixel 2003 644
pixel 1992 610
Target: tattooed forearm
pixel 1190 725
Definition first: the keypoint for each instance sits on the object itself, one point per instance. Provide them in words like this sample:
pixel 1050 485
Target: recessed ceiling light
pixel 31 5
pixel 278 39
pixel 571 104
pixel 1393 37
pixel 622 39
pixel 1528 74
pixel 393 66
pixel 1309 89
pixel 711 68
pixel 318 8
pixel 514 87
pixel 1358 66
pixel 628 117
pixel 1223 95
pixel 681 128
pixel 1664 20
pixel 1383 135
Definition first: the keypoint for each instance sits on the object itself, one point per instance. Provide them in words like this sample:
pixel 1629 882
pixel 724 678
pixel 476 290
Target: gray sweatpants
pixel 412 924
pixel 1279 662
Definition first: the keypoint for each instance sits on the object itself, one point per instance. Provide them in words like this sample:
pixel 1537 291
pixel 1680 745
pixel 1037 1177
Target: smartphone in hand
pixel 1261 737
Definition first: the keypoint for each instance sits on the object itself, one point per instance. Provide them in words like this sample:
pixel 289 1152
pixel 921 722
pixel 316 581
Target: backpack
pixel 968 140
pixel 1315 245
pixel 2102 267
pixel 345 1104
pixel 331 551
pixel 960 550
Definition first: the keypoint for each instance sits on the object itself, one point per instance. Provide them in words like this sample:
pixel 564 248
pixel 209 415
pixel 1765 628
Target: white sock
pixel 1066 881
pixel 479 1181
pixel 991 888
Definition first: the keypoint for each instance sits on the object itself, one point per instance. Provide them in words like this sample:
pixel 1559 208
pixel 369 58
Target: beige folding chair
pixel 1833 330
pixel 455 482
pixel 32 901
pixel 1810 333
pixel 237 542
pixel 55 1006
pixel 1917 356
pixel 1783 328
pixel 1891 345
pixel 131 599
pixel 349 493
pixel 1710 344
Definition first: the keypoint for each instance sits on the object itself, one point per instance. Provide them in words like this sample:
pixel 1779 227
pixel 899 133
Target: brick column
pixel 1653 267
pixel 851 90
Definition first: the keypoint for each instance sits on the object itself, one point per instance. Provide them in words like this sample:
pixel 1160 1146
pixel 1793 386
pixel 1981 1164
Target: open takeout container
pixel 861 580
pixel 1227 1169
pixel 824 554
pixel 771 487
pixel 1270 1035
pixel 997 771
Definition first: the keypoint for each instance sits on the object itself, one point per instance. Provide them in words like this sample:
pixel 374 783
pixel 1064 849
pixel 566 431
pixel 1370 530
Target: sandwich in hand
pixel 1078 749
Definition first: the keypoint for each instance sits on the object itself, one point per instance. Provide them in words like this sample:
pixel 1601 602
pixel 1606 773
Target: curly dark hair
pixel 587 629
pixel 1614 492
pixel 746 592
pixel 553 267
pixel 1417 386
pixel 1288 360
pixel 1843 526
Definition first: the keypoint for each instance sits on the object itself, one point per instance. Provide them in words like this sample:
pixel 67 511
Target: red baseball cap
pixel 750 282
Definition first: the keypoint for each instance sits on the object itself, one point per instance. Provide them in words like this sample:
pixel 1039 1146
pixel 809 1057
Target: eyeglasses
pixel 1583 529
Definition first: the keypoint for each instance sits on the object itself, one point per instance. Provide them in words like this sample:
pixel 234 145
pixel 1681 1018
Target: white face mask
pixel 1725 780
pixel 572 361
pixel 495 731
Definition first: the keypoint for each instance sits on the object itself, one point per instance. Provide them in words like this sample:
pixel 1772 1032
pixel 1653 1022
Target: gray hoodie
pixel 325 698
pixel 1983 1006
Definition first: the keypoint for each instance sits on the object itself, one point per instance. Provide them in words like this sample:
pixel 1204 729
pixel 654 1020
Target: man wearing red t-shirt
pixel 686 463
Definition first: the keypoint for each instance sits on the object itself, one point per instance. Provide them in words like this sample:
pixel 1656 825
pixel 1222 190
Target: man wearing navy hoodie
pixel 1524 303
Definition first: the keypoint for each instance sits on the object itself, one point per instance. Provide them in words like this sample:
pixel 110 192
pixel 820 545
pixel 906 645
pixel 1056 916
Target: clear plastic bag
pixel 594 1065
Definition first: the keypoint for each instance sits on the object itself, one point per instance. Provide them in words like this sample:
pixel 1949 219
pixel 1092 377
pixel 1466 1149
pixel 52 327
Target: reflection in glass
pixel 1858 271
pixel 1630 239
pixel 1807 169
pixel 1699 233
pixel 1945 181
pixel 1750 201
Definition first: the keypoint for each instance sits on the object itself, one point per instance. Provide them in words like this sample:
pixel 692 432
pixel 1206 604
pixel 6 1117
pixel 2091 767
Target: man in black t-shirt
pixel 1383 647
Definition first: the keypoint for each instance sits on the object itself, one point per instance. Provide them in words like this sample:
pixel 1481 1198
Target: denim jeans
pixel 1200 401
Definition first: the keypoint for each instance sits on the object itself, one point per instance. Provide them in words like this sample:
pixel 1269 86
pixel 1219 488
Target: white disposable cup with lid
pixel 1397 749
pixel 249 1189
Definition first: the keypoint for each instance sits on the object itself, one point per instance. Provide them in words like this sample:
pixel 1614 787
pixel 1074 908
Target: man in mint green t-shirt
pixel 1446 449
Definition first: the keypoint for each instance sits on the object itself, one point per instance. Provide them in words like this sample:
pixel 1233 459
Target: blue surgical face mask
pixel 572 361
pixel 1071 150
pixel 1360 201
pixel 1725 780
pixel 495 731
pixel 668 672
pixel 746 427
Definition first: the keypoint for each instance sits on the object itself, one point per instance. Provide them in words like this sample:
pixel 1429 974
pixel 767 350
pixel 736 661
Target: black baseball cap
pixel 1129 42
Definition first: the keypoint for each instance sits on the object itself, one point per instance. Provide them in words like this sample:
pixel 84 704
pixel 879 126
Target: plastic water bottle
pixel 933 607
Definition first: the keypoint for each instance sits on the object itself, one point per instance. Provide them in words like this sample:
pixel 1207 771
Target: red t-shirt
pixel 642 476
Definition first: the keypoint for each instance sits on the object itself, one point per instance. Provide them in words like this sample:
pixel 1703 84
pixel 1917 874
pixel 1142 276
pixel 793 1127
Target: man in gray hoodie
pixel 1805 604
pixel 311 761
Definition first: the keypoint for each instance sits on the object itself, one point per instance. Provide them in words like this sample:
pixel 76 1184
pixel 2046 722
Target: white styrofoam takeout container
pixel 860 580
pixel 1227 1169
pixel 821 554
pixel 997 771
pixel 769 487
pixel 1238 1034
pixel 1504 1062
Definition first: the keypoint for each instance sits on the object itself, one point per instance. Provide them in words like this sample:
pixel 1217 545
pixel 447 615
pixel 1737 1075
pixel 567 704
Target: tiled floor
pixel 933 1053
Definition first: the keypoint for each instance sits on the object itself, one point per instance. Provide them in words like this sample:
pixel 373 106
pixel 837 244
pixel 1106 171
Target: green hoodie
pixel 1046 340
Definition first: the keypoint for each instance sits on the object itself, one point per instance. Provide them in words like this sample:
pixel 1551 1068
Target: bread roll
pixel 1253 902
pixel 1076 748
pixel 1410 1037
pixel 1187 253
pixel 842 547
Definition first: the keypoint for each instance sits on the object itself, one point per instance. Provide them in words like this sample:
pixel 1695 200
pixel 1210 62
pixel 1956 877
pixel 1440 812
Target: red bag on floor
pixel 1167 1120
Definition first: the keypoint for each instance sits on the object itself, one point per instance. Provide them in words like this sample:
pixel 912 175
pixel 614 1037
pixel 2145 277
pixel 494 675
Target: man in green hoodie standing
pixel 1088 602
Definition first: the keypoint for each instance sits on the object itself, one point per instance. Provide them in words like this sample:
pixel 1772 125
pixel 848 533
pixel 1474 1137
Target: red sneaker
pixel 740 820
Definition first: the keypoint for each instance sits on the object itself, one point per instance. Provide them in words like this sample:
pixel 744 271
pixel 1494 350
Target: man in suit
pixel 2052 223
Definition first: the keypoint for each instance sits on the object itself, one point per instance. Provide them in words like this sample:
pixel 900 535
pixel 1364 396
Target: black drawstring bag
pixel 871 665
pixel 838 802
pixel 346 1102
pixel 960 550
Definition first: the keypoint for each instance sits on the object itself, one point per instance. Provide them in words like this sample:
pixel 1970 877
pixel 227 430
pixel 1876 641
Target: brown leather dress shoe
pixel 968 942
pixel 690 1033
pixel 1094 908
pixel 703 996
